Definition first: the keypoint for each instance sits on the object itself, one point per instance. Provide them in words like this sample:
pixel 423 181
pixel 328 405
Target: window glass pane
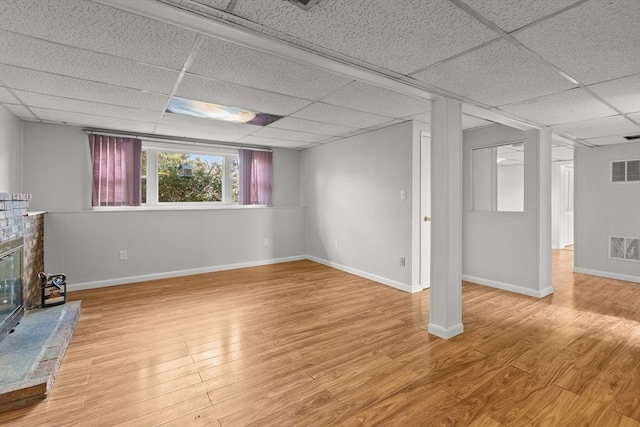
pixel 143 161
pixel 235 181
pixel 203 185
pixel 143 190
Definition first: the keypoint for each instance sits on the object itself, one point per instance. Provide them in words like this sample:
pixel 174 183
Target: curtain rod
pixel 174 139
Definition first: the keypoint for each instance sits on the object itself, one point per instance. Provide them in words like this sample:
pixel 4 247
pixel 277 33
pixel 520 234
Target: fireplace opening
pixel 11 299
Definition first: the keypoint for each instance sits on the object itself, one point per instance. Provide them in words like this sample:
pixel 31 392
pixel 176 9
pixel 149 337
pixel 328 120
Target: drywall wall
pixel 10 152
pixel 85 244
pixel 604 209
pixel 510 250
pixel 356 219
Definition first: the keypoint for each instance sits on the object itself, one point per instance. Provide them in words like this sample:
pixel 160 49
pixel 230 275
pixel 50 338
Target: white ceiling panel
pixel 561 153
pixel 6 97
pixel 606 126
pixel 513 14
pixel 233 95
pixel 593 42
pixel 291 135
pixel 100 28
pixel 276 143
pixel 624 94
pixel 310 126
pixel 214 129
pixel 372 99
pixel 635 117
pixel 20 111
pixel 27 52
pixel 569 106
pixel 52 84
pixel 496 74
pixel 233 63
pixel 73 105
pixel 470 122
pixel 396 35
pixel 340 116
pixel 80 119
pixel 608 140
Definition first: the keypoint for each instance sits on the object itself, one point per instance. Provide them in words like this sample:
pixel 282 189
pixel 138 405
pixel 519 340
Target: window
pixel 172 176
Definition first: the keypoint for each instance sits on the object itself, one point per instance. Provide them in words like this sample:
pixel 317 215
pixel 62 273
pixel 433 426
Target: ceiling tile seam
pixel 160 67
pixel 84 100
pixel 287 130
pixel 187 63
pixel 454 57
pixel 599 98
pixel 10 90
pixel 547 17
pixel 231 6
pixel 475 14
pixel 84 79
pixel 93 114
pixel 273 126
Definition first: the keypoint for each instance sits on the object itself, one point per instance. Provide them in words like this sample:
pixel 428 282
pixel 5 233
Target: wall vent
pixel 632 137
pixel 625 171
pixel 626 248
pixel 305 4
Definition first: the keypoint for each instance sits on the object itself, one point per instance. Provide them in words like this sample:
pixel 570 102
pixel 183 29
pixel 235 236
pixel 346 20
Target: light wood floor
pixel 303 344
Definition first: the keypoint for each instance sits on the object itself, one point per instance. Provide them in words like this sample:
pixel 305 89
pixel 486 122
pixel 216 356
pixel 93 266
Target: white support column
pixel 446 232
pixel 543 152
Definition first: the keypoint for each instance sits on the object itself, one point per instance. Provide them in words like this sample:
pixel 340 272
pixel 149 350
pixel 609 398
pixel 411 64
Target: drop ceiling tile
pixel 513 14
pixel 470 122
pixel 635 117
pixel 27 52
pixel 301 125
pixel 6 97
pixel 75 106
pixel 100 28
pixel 372 99
pixel 80 119
pixel 593 42
pixel 233 95
pixel 624 94
pixel 217 4
pixel 605 126
pixel 237 64
pixel 211 129
pixel 340 116
pixel 270 142
pixel 291 135
pixel 398 36
pixel 498 73
pixel 608 140
pixel 561 153
pixel 20 111
pixel 52 84
pixel 569 106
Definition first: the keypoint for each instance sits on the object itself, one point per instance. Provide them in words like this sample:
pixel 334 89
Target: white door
pixel 425 210
pixel 566 221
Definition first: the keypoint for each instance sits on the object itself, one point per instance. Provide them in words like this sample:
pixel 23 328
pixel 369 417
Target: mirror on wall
pixel 498 178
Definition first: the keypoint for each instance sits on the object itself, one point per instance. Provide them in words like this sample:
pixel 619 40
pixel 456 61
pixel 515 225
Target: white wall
pixel 510 250
pixel 603 209
pixel 352 192
pixel 10 152
pixel 510 181
pixel 85 244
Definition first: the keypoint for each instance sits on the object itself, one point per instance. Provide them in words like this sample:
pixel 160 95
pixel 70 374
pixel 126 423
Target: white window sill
pixel 174 207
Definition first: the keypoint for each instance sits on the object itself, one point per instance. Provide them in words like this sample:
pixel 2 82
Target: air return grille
pixel 626 248
pixel 304 4
pixel 625 171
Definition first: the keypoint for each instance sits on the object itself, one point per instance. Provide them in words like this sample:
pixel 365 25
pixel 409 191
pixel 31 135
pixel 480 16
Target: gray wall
pixel 508 250
pixel 603 209
pixel 352 191
pixel 10 152
pixel 85 244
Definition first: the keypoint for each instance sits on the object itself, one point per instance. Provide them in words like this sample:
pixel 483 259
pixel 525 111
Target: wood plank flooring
pixel 301 344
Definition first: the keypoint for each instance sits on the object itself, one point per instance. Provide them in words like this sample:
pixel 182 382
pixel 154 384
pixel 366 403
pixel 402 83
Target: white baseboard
pixel 509 287
pixel 402 286
pixel 607 274
pixel 445 333
pixel 177 273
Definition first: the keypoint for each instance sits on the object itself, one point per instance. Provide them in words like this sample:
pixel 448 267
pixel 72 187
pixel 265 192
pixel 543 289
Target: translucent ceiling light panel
pixel 205 110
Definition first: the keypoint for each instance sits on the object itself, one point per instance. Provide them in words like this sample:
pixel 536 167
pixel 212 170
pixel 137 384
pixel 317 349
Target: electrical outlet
pixel 335 244
pixel 402 262
pixel 403 194
pixel 266 242
pixel 123 255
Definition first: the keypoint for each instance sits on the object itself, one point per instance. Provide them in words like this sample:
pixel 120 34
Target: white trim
pixel 509 287
pixel 445 333
pixel 379 279
pixel 177 273
pixel 607 274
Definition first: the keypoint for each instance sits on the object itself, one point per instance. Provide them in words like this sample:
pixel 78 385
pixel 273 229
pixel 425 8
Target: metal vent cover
pixel 305 4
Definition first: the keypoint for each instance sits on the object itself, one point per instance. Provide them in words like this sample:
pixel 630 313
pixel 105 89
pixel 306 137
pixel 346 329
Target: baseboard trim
pixel 445 333
pixel 177 273
pixel 383 280
pixel 509 287
pixel 608 275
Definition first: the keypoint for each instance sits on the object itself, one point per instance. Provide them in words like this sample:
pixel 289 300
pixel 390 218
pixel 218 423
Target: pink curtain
pixel 256 168
pixel 116 170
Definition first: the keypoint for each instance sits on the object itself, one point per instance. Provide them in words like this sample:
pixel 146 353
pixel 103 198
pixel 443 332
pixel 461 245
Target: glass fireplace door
pixel 10 285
